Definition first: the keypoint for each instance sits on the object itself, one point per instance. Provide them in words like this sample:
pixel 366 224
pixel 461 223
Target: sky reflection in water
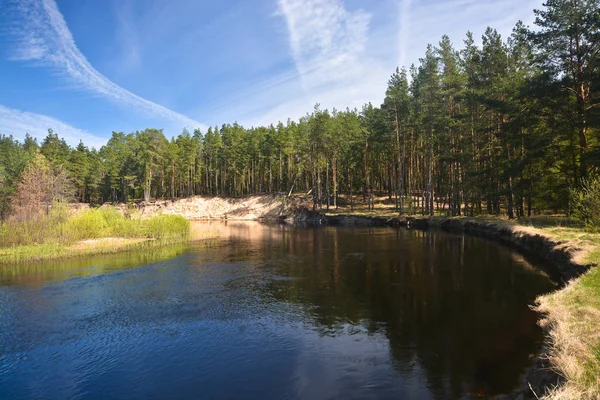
pixel 272 311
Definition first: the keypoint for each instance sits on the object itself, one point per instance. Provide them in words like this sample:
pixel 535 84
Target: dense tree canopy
pixel 505 127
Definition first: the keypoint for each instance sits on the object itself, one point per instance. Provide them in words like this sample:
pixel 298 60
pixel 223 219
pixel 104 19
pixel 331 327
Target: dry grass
pixel 573 319
pixel 572 314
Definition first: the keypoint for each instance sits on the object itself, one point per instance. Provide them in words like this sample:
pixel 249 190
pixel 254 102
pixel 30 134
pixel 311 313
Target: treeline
pixel 507 126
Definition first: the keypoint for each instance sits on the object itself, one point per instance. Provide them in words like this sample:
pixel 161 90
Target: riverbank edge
pixel 566 255
pixel 545 378
pixel 52 252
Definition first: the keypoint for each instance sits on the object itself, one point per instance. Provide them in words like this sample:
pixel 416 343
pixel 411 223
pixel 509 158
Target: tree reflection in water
pixel 454 308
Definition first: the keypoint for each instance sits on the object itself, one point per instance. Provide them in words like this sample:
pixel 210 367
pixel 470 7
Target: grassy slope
pixel 572 314
pixel 573 318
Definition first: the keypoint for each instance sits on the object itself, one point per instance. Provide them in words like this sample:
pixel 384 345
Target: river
pixel 274 312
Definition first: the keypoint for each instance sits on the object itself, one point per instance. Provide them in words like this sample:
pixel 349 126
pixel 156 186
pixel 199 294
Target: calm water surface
pixel 274 312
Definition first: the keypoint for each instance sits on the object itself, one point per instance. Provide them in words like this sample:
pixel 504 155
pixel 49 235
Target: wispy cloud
pixel 344 57
pixel 430 20
pixel 18 123
pixel 44 37
pixel 404 32
pixel 327 41
pixel 334 59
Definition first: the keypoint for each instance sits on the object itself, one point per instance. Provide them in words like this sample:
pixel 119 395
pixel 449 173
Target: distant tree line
pixel 506 127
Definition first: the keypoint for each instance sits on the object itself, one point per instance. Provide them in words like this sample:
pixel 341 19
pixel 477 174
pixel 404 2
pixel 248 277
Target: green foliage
pixel 51 265
pixel 102 222
pixel 507 126
pixel 55 149
pixel 14 157
pixel 44 228
pixel 60 227
pixel 585 202
pixel 165 227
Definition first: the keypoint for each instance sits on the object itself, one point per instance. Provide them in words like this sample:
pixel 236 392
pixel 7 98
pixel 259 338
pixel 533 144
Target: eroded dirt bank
pixel 568 258
pixel 267 207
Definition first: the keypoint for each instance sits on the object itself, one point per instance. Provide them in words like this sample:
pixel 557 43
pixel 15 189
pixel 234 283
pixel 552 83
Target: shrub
pixel 102 222
pixel 42 184
pixel 58 227
pixel 585 202
pixel 44 228
pixel 166 227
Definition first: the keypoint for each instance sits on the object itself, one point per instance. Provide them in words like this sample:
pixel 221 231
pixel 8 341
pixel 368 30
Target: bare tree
pixel 41 184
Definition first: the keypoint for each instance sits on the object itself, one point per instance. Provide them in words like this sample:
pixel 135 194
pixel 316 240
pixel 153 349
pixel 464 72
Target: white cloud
pixel 18 123
pixel 404 32
pixel 341 60
pixel 341 56
pixel 43 37
pixel 344 57
pixel 326 40
pixel 428 21
pixel 334 64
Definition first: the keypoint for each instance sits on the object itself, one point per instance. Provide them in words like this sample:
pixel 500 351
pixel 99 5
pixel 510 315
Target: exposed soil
pixel 219 208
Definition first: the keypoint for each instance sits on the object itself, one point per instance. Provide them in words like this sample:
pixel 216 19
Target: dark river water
pixel 274 312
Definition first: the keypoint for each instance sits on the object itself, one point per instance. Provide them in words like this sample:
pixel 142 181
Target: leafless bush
pixel 41 185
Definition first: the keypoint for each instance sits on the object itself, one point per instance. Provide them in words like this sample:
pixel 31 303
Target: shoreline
pixel 103 246
pixel 64 233
pixel 565 255
pixel 570 250
pixel 556 373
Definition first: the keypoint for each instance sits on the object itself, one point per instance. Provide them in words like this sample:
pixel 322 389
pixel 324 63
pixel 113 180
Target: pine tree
pixel 568 48
pixel 397 103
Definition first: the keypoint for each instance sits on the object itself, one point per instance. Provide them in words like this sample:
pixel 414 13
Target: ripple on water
pixel 281 313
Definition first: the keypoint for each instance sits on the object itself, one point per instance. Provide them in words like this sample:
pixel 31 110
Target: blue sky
pixel 86 68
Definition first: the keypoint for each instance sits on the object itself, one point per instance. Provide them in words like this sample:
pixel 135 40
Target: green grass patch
pixel 573 315
pixel 98 231
pixel 29 252
pixel 44 252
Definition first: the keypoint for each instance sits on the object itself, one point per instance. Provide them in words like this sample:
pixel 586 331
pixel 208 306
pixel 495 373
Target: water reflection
pixel 40 273
pixel 454 307
pixel 273 311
